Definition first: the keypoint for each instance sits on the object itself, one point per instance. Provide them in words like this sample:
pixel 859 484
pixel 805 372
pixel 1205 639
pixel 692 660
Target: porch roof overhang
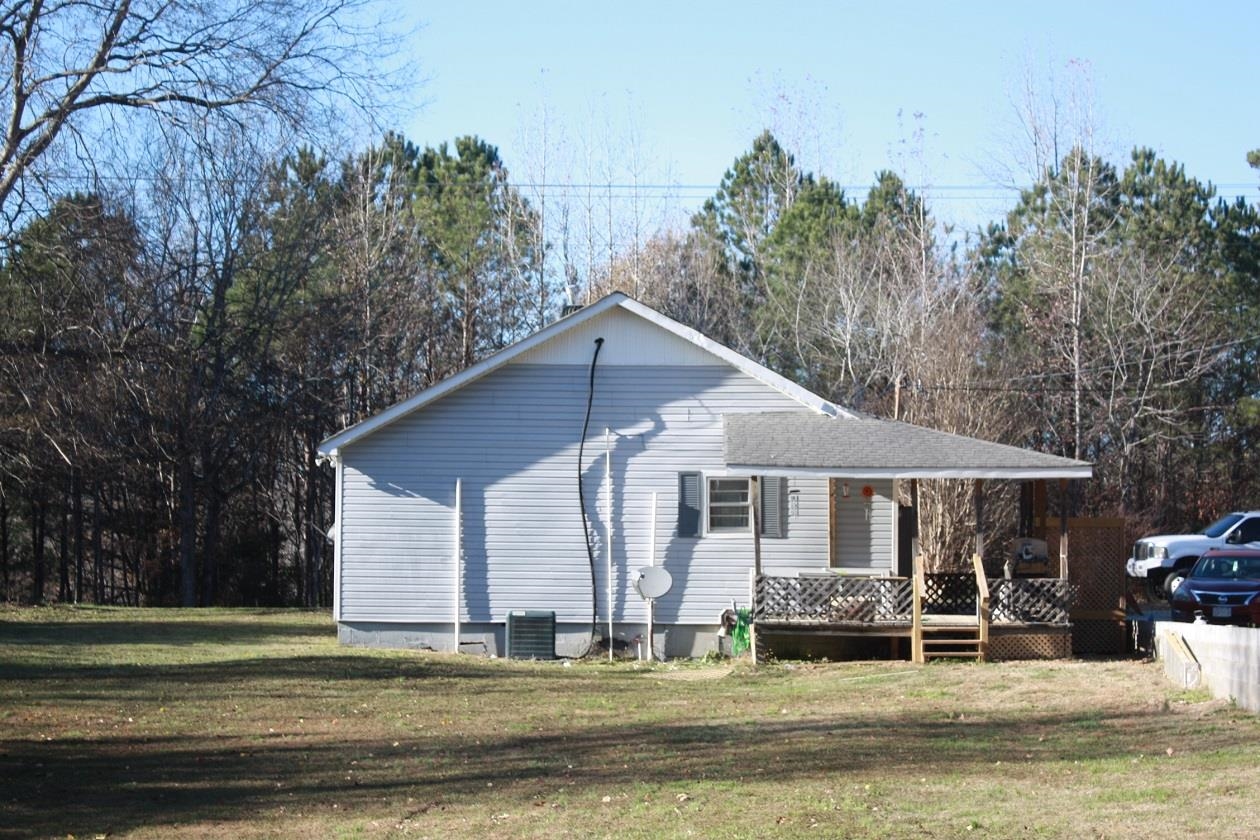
pixel 793 443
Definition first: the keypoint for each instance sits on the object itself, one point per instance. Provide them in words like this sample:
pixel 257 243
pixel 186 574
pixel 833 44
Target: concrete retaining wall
pixel 1225 660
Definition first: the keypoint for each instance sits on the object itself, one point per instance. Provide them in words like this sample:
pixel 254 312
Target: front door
pixel 862 531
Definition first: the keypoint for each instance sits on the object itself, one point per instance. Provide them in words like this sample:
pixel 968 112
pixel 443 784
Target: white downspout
pixel 609 513
pixel 457 556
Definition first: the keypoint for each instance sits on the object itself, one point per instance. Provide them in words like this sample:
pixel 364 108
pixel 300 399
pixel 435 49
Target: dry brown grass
pixel 232 723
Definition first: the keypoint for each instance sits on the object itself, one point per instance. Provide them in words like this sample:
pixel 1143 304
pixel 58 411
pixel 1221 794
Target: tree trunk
pixel 299 541
pixel 76 492
pixel 187 533
pixel 4 544
pixel 275 547
pixel 98 551
pixel 63 557
pixel 210 549
pixel 312 539
pixel 37 550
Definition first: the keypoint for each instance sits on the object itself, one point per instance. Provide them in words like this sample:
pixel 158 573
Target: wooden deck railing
pixel 949 593
pixel 847 601
pixel 830 599
pixel 982 605
pixel 1033 601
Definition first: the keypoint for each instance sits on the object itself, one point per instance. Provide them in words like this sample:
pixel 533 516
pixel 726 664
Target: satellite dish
pixel 653 582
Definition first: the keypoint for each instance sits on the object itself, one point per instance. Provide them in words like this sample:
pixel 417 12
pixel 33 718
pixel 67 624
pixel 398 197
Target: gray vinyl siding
pixel 512 437
pixel 864 529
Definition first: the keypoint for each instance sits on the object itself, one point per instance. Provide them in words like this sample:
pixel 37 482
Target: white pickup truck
pixel 1163 561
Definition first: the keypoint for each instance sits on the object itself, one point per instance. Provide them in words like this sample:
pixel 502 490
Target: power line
pixel 976 191
pixel 1001 387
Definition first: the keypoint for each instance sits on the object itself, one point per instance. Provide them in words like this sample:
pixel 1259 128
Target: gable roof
pixel 865 447
pixel 587 313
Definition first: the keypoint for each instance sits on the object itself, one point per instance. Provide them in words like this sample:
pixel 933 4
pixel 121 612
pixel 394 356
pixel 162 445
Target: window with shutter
pixel 689 504
pixel 774 500
pixel 725 506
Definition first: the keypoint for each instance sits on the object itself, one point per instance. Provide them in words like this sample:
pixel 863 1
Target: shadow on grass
pixel 418 732
pixel 50 683
pixel 267 629
pixel 113 785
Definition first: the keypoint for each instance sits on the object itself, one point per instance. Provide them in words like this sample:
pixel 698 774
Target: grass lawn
pixel 230 723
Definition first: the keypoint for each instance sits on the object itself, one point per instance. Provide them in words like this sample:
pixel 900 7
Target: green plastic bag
pixel 741 638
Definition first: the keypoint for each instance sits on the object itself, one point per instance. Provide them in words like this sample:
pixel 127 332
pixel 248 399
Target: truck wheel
pixel 1177 575
pixel 1155 586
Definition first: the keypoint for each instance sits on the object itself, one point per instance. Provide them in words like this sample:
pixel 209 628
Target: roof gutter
pixel 998 473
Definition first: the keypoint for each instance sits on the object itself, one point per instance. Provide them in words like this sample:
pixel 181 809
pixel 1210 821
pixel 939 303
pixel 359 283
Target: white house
pixel 461 505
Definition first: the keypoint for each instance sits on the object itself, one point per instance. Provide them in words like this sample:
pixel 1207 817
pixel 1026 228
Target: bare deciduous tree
pixel 74 67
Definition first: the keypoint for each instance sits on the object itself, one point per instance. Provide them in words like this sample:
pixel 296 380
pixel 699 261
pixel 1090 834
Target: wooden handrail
pixel 982 605
pixel 916 637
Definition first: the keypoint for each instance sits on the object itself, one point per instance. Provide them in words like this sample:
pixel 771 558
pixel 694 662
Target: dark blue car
pixel 1222 588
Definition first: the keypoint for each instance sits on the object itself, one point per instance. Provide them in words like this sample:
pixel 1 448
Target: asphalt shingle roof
pixel 811 441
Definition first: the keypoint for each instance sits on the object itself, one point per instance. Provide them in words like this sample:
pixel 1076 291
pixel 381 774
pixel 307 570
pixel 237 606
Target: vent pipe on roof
pixel 570 300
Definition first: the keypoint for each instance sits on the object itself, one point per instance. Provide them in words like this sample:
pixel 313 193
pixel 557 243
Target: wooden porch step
pixel 952 640
pixel 950 622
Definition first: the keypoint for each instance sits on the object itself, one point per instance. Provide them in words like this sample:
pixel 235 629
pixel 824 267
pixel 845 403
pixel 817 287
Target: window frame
pixel 1245 524
pixel 740 531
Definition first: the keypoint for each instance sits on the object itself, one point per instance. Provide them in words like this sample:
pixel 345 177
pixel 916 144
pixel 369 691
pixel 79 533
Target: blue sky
pixel 926 89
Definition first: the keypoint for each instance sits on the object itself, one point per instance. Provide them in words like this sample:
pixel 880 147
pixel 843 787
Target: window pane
pixel 728 491
pixel 729 518
pixel 1249 531
pixel 728 504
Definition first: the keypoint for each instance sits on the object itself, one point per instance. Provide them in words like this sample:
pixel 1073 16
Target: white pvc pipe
pixel 609 531
pixel 456 556
pixel 652 533
pixel 652 562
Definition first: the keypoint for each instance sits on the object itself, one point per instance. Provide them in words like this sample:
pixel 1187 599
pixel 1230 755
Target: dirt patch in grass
pixel 227 724
pixel 694 673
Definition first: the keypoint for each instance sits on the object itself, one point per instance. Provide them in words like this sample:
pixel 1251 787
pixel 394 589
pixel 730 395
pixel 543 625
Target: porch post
pixel 1041 524
pixel 752 615
pixel 1025 509
pixel 978 498
pixel 1063 528
pixel 754 490
pixel 914 531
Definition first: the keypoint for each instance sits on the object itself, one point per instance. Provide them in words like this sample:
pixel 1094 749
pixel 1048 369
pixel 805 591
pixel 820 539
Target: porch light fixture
pixel 844 490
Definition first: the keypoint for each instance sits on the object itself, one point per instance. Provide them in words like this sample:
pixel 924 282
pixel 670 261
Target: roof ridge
pixel 615 299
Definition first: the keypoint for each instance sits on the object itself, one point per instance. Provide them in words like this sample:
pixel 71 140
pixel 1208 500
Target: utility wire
pixel 568 189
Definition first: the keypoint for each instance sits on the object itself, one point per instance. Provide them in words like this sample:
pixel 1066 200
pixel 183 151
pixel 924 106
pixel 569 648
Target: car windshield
pixel 1227 568
pixel 1221 525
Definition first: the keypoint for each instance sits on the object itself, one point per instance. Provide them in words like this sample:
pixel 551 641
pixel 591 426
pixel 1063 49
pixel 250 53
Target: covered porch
pixel 941 614
pixel 970 614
